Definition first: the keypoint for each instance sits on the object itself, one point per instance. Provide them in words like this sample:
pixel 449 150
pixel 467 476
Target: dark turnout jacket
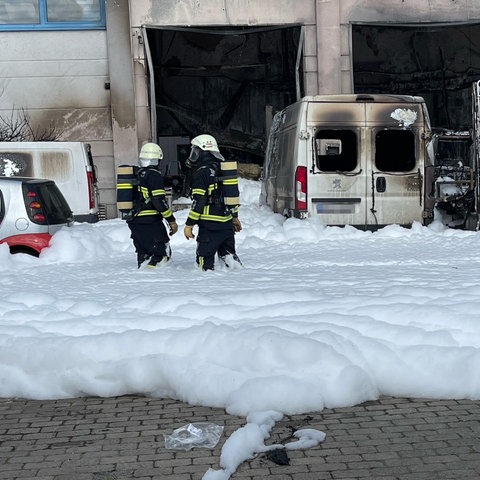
pixel 207 209
pixel 152 202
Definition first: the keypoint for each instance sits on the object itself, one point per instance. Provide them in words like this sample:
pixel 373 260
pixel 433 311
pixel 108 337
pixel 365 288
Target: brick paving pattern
pixel 121 438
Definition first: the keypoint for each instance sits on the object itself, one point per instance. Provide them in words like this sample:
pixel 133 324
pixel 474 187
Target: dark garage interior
pixel 229 81
pixel 436 62
pixel 226 82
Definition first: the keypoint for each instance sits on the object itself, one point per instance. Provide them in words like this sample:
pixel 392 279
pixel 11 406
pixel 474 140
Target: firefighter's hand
pixel 173 228
pixel 237 226
pixel 188 232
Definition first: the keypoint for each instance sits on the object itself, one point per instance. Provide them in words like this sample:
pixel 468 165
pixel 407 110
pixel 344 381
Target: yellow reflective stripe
pixel 233 181
pixel 193 215
pixel 216 218
pixel 144 192
pixel 201 262
pixel 158 192
pixel 124 186
pixel 198 191
pixel 211 188
pixel 167 213
pixel 144 213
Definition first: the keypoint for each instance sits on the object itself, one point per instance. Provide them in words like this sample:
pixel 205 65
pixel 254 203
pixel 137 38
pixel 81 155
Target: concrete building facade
pixel 165 70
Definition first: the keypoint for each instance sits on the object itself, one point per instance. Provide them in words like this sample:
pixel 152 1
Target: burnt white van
pixel 349 160
pixel 69 164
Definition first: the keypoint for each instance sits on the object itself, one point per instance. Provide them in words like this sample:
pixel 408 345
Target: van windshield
pixel 336 150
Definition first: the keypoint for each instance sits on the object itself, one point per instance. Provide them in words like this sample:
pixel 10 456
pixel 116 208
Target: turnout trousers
pixel 211 242
pixel 150 238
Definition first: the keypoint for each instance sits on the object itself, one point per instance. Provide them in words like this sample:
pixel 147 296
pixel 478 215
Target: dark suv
pixel 31 211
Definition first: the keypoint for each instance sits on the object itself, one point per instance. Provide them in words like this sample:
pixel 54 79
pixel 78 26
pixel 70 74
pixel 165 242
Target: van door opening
pixel 396 181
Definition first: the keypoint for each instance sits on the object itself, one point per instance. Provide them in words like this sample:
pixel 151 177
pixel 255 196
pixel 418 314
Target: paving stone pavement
pixel 121 438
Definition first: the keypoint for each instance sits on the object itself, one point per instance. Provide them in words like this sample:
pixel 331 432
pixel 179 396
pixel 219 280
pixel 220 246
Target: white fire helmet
pixel 150 155
pixel 205 142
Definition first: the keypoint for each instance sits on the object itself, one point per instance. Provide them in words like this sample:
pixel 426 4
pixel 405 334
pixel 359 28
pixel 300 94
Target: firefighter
pixel 147 227
pixel 217 224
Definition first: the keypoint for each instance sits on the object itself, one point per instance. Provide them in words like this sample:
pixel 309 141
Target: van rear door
pixel 395 172
pixel 337 180
pixel 368 160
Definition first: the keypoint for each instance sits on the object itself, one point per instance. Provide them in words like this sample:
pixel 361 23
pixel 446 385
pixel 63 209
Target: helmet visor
pixel 193 157
pixel 147 162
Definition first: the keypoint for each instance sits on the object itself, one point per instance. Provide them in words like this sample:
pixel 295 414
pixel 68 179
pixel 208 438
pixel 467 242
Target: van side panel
pixel 67 163
pixel 56 164
pixel 284 183
pixel 282 160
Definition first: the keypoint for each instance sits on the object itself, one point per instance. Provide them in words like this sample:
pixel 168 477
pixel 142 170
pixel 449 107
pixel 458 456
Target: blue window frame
pixel 52 15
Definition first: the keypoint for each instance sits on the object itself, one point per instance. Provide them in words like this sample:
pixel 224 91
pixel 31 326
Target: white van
pixel 350 160
pixel 69 164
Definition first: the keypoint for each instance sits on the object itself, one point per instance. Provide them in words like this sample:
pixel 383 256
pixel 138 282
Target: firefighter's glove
pixel 237 226
pixel 173 228
pixel 188 232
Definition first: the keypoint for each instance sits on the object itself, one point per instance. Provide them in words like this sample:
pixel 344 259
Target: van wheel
pixel 25 251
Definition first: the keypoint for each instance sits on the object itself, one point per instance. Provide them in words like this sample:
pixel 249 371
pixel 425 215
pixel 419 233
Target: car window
pixel 55 207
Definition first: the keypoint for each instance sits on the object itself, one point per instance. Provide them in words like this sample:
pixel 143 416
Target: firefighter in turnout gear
pixel 217 224
pixel 148 232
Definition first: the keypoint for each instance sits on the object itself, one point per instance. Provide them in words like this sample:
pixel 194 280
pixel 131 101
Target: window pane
pixel 73 10
pixel 16 164
pixel 395 150
pixel 18 12
pixel 56 207
pixel 336 150
pixel 91 10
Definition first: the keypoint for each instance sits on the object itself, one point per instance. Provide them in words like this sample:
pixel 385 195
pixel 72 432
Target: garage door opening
pixel 438 62
pixel 223 81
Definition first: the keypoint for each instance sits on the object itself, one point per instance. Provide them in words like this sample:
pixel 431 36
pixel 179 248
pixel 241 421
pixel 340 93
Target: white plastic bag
pixel 201 435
